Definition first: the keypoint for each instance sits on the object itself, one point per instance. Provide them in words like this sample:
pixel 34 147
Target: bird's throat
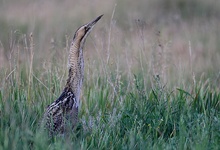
pixel 76 70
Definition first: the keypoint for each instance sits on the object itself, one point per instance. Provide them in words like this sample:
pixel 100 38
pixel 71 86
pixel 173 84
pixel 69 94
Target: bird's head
pixel 84 31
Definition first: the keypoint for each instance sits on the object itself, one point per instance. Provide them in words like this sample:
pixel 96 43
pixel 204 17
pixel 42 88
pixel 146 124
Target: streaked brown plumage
pixel 65 108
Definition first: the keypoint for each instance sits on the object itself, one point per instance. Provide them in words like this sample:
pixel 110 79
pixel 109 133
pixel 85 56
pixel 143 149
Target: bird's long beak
pixel 92 23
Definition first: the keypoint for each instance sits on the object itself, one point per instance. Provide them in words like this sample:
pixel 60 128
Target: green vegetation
pixel 152 78
pixel 134 118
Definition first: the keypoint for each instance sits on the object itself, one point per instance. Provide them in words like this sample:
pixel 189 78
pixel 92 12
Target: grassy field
pixel 152 75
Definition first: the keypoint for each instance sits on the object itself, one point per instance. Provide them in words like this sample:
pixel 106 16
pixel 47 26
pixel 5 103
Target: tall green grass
pixel 112 116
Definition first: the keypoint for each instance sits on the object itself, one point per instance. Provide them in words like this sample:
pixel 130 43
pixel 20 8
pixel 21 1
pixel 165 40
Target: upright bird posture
pixel 65 109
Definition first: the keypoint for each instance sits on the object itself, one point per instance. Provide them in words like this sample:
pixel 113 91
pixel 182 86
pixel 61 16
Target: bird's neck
pixel 76 70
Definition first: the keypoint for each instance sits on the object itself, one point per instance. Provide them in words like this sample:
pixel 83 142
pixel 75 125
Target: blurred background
pixel 176 39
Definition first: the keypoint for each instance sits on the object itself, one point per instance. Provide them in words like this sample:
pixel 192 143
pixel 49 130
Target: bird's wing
pixel 60 110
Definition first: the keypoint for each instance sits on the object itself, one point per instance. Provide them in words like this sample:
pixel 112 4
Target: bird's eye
pixel 86 29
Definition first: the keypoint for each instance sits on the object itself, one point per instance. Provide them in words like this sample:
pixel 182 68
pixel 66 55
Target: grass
pixel 151 79
pixel 131 119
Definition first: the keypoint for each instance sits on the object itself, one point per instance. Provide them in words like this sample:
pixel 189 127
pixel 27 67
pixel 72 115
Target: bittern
pixel 65 109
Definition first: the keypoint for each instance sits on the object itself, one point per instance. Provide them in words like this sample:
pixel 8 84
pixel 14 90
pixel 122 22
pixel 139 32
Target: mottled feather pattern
pixel 65 108
pixel 59 112
pixel 76 69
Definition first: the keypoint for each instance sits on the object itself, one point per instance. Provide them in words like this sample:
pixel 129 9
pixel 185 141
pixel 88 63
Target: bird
pixel 64 110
